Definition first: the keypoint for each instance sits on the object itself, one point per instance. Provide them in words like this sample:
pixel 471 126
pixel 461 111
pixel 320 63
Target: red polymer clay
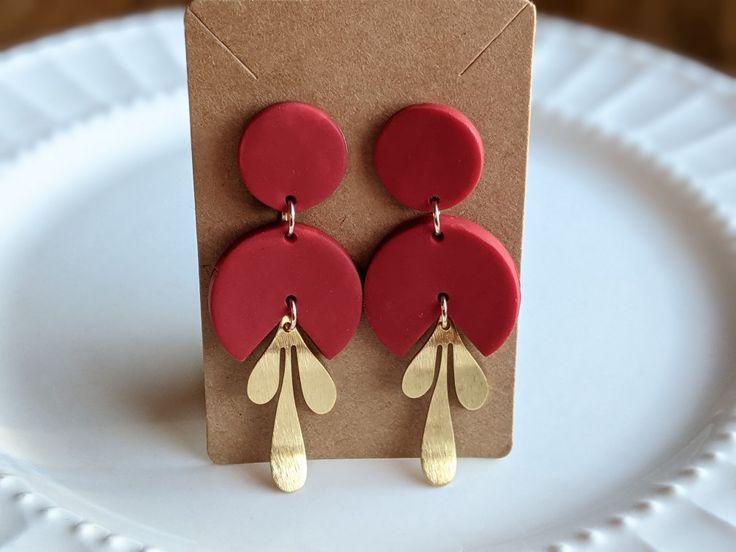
pixel 429 150
pixel 412 268
pixel 252 281
pixel 292 149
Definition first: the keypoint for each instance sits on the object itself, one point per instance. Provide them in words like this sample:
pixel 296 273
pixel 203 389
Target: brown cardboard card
pixel 360 61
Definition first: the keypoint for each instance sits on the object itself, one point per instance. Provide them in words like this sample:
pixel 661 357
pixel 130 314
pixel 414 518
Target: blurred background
pixel 701 29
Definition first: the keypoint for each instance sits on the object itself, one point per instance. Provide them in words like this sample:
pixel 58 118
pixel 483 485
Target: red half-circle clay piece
pixel 252 281
pixel 292 149
pixel 411 269
pixel 426 151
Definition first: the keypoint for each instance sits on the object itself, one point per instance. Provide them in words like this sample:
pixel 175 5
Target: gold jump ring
pixel 444 317
pixel 436 217
pixel 289 216
pixel 291 324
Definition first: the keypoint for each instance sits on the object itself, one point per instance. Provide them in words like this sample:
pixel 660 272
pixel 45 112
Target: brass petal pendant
pixel 288 455
pixel 444 348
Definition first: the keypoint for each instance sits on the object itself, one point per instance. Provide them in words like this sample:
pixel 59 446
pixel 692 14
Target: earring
pixel 442 273
pixel 289 276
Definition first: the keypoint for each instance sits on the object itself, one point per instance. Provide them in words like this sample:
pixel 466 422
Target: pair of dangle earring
pixel 441 274
pixel 288 278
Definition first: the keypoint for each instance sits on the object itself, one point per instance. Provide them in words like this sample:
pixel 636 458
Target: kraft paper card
pixel 360 61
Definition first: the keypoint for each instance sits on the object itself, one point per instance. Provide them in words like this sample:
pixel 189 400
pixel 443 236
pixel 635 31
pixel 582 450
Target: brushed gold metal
pixel 445 348
pixel 471 385
pixel 288 455
pixel 419 375
pixel 263 382
pixel 318 389
pixel 439 458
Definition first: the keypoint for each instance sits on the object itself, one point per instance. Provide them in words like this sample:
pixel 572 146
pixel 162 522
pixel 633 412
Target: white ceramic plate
pixel 625 400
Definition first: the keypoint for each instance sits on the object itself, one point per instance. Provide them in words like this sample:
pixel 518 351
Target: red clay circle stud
pixel 292 149
pixel 429 150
